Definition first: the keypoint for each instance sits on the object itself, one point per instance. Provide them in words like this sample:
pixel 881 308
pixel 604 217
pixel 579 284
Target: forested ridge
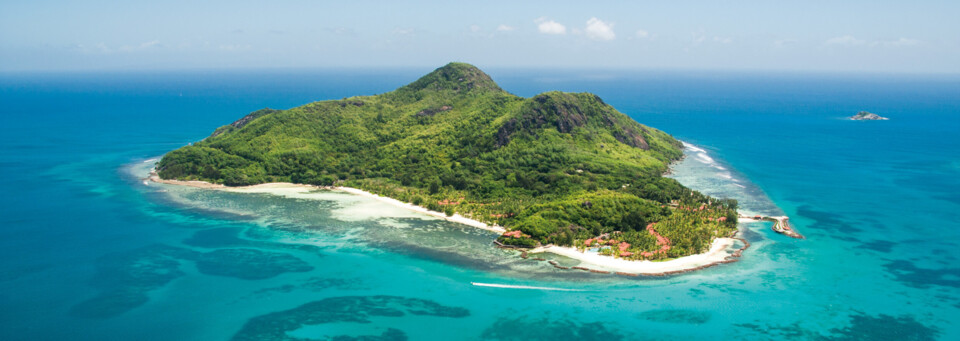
pixel 561 168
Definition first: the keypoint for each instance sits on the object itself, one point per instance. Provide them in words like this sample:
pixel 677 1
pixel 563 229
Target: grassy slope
pixel 561 167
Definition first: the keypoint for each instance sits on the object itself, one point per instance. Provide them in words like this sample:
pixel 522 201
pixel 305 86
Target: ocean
pixel 90 252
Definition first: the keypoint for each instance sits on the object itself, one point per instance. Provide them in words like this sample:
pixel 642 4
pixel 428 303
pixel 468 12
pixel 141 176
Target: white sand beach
pixel 719 251
pixel 298 190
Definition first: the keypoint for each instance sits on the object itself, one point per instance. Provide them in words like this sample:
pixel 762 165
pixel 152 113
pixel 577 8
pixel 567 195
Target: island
pixel 867 116
pixel 557 172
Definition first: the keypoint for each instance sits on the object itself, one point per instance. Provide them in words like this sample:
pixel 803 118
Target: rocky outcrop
pixel 867 116
pixel 251 116
pixel 433 111
pixel 566 112
pixel 243 121
pixel 550 109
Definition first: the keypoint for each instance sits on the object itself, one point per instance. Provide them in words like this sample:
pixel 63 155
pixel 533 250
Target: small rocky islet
pixel 867 116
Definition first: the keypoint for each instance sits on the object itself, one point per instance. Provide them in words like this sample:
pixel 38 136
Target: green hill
pixel 560 167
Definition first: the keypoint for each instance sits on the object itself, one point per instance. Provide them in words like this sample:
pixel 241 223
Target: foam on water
pixel 702 157
pixel 288 207
pixel 88 255
pixel 692 147
pixel 703 176
pixel 527 287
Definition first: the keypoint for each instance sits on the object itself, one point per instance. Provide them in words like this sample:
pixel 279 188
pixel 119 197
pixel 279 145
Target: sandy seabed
pixel 291 189
pixel 719 250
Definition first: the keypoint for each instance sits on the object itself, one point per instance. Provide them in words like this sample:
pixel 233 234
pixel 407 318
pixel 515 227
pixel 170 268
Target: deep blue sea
pixel 89 252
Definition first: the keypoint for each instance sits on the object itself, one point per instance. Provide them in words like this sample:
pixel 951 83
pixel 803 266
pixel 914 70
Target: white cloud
pixel 847 40
pixel 474 28
pixel 142 46
pixel 642 34
pixel 701 37
pixel 901 42
pixel 505 28
pixel 599 30
pixel 96 48
pixel 549 26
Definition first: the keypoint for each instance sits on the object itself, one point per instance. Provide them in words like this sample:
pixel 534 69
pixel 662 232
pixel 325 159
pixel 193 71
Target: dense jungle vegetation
pixel 559 167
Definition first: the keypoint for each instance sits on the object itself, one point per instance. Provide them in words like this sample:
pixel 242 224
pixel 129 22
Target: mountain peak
pixel 457 77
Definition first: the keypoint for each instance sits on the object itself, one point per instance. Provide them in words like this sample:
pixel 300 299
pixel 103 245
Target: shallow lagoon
pixel 89 252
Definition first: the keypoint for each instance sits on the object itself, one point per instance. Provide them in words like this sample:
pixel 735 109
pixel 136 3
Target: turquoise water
pixel 87 251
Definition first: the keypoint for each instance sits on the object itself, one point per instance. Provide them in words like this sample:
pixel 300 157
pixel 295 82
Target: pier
pixel 781 225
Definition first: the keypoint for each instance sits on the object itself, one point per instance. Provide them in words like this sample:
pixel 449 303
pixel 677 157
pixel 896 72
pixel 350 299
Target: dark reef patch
pixel 883 327
pixel 411 249
pixel 878 245
pixel 861 327
pixel 908 273
pixel 826 220
pixel 230 237
pixel 14 273
pixel 751 235
pixel 681 316
pixel 249 263
pixel 111 303
pixel 543 328
pixel 695 293
pixel 125 278
pixel 776 332
pixel 314 284
pixel 320 283
pixel 356 309
pixel 391 334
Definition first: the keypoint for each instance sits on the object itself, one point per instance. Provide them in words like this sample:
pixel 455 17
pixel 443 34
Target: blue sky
pixel 862 36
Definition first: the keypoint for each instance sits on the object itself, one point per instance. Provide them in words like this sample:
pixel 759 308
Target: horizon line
pixel 124 70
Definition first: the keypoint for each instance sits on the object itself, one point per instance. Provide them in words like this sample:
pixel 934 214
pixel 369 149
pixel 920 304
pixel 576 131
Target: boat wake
pixel 508 286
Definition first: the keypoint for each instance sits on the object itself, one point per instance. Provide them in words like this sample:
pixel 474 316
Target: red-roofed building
pixel 515 234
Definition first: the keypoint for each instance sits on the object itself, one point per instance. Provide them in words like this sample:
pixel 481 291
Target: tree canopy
pixel 560 167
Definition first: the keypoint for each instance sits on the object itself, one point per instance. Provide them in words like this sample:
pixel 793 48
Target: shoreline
pixel 781 224
pixel 591 262
pixel 588 261
pixel 265 187
pixel 594 262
